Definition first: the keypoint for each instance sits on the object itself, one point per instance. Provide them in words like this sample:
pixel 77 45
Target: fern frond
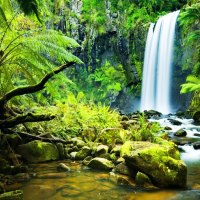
pixel 192 84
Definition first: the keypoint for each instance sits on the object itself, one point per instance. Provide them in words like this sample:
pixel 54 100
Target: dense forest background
pixel 107 49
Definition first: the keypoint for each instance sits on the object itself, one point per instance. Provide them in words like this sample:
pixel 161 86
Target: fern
pixel 192 84
pixel 32 54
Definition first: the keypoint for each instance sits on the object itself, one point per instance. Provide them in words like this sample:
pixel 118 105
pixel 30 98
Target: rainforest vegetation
pixel 69 68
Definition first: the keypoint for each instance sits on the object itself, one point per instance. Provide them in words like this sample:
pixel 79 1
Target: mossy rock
pixel 160 162
pixel 83 153
pixel 101 164
pixel 13 195
pixel 101 149
pixel 180 133
pixel 142 179
pixel 122 169
pixel 38 151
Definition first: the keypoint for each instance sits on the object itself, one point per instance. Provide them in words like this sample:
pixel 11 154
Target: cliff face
pixel 113 31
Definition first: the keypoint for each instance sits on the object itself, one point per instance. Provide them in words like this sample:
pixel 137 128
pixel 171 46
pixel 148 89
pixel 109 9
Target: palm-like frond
pixel 192 84
pixel 190 15
pixel 33 54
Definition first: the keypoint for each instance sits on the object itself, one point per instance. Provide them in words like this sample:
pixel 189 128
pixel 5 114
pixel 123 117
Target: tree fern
pixel 192 84
pixel 33 54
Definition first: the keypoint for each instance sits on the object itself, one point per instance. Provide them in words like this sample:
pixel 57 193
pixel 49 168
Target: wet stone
pixel 196 145
pixel 180 133
pixel 63 168
pixel 175 122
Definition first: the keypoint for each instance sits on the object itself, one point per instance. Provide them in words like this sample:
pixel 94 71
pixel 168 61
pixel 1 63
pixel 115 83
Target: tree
pixel 27 61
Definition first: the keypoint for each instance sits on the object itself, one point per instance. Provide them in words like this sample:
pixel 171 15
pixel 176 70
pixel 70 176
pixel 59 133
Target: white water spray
pixel 158 65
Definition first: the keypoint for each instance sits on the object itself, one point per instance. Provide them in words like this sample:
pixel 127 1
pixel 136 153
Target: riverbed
pixel 82 183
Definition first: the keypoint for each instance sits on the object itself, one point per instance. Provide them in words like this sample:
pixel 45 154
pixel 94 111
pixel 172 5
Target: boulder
pixel 116 150
pixel 161 163
pixel 196 116
pixel 38 151
pixel 101 163
pixel 61 150
pixel 13 195
pixel 180 133
pixel 175 122
pixel 101 149
pixel 83 153
pixel 168 128
pixel 196 145
pixel 78 142
pixel 87 160
pixel 142 179
pixel 122 169
pixel 63 168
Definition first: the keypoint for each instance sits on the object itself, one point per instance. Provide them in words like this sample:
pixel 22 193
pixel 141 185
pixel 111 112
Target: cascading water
pixel 158 65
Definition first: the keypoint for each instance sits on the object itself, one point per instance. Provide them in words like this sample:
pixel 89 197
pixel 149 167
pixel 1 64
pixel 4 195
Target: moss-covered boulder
pixel 83 153
pixel 122 169
pixel 38 151
pixel 13 195
pixel 101 149
pixel 180 133
pixel 161 163
pixel 101 163
pixel 142 179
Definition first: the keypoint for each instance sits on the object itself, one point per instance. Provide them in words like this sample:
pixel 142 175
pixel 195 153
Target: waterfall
pixel 157 68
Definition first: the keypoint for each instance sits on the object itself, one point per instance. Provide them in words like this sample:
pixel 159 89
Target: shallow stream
pixel 82 183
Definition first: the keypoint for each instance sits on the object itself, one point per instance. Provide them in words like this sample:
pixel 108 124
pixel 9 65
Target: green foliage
pixel 103 85
pixel 192 84
pixel 26 56
pixel 145 131
pixel 76 115
pixel 190 22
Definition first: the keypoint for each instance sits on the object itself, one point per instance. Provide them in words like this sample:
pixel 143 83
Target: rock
pixel 13 195
pixel 180 133
pixel 22 177
pixel 167 128
pixel 197 134
pixel 38 151
pixel 142 179
pixel 121 179
pixel 83 153
pixel 160 163
pixel 78 142
pixel 113 157
pixel 116 150
pixel 63 168
pixel 125 118
pixel 101 149
pixel 122 169
pixel 73 154
pixel 101 163
pixel 120 160
pixel 151 113
pixel 196 116
pixel 87 160
pixel 196 145
pixel 175 122
pixel 61 150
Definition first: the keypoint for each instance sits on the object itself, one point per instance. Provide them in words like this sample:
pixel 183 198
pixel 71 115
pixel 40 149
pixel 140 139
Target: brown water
pixel 83 184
